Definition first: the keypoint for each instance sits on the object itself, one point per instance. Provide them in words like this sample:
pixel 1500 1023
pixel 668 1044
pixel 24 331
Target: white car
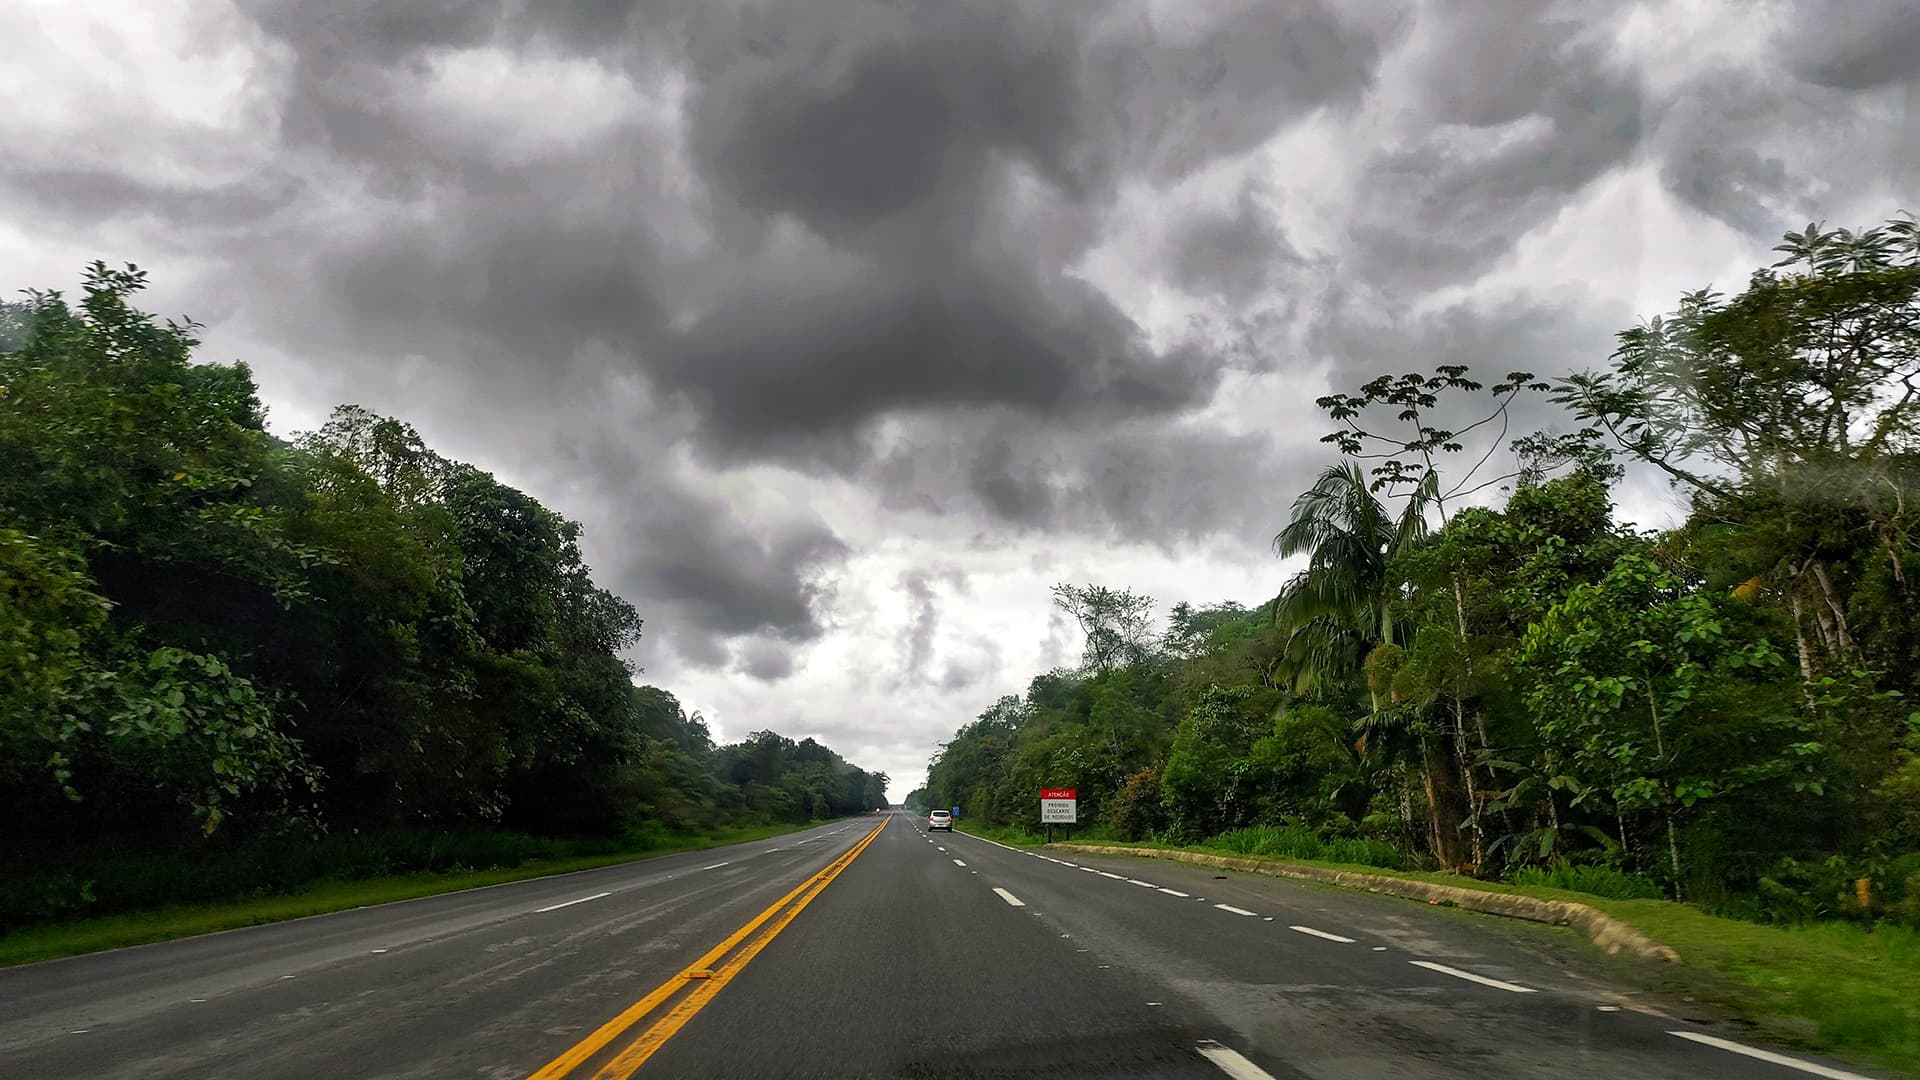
pixel 940 819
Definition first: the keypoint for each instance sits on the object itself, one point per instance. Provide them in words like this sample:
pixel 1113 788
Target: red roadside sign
pixel 1057 793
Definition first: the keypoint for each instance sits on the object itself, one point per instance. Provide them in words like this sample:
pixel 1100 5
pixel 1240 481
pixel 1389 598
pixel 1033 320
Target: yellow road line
pixel 633 1014
pixel 656 1036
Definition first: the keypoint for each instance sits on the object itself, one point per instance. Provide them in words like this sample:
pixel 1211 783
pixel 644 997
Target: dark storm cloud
pixel 923 622
pixel 1526 107
pixel 1856 45
pixel 727 583
pixel 1234 255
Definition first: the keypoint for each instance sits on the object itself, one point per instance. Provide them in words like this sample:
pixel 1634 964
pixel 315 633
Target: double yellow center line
pixel 692 988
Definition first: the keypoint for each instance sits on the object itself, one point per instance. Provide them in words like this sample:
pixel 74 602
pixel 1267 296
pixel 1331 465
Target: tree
pixel 1657 707
pixel 1339 607
pixel 1117 624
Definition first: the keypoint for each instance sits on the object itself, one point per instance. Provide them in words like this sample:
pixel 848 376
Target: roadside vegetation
pixel 232 665
pixel 1482 671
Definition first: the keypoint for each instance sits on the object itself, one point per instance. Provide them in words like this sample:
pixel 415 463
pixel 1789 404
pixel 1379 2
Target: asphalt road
pixel 838 952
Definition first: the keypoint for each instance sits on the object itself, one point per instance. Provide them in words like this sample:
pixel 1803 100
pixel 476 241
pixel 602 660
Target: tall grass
pixel 1295 842
pixel 1592 880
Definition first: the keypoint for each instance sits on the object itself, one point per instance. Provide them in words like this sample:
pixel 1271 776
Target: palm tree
pixel 1339 607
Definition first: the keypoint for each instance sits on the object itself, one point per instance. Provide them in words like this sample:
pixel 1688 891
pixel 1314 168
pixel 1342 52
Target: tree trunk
pixel 1800 638
pixel 1841 635
pixel 1673 852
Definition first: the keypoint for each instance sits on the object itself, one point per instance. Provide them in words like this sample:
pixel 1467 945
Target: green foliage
pixel 1593 880
pixel 1295 842
pixel 212 637
pixel 1526 688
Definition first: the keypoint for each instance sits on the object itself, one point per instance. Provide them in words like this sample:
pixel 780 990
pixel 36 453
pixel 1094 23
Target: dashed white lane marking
pixel 1512 988
pixel 570 903
pixel 1012 900
pixel 1174 892
pixel 1064 862
pixel 1231 910
pixel 1089 869
pixel 82 1031
pixel 1322 934
pixel 1608 1008
pixel 285 977
pixel 1232 1062
pixel 1379 948
pixel 942 849
pixel 1764 1055
pixel 377 952
pixel 1142 884
pixel 716 866
pixel 1115 877
pixel 957 862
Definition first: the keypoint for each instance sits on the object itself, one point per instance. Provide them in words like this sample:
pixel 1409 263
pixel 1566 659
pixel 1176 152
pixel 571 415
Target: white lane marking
pixel 377 952
pixel 1763 1055
pixel 1512 988
pixel 1231 1061
pixel 1142 884
pixel 1175 892
pixel 1089 869
pixel 1064 862
pixel 1230 909
pixel 957 862
pixel 1115 877
pixel 716 866
pixel 197 1001
pixel 1012 900
pixel 1608 1008
pixel 942 849
pixel 286 977
pixel 1379 948
pixel 1322 934
pixel 570 903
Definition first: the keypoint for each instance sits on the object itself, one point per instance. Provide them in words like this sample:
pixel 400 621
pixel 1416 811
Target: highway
pixel 861 948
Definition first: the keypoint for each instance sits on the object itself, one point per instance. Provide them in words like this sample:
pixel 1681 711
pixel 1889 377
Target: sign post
pixel 1059 806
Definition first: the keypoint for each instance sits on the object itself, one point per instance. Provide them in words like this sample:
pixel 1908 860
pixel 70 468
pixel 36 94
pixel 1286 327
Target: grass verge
pixel 54 940
pixel 1832 987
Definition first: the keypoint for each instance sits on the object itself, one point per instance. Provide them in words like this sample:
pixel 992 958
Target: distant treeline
pixel 213 639
pixel 1727 711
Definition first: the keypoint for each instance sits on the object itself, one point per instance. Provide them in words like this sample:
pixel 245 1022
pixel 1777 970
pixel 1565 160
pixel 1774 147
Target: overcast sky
pixel 847 327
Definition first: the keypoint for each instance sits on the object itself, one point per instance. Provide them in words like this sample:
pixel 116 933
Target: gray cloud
pixel 764 660
pixel 1853 46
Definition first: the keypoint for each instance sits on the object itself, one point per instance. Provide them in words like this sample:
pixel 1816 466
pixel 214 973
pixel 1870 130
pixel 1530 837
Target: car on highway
pixel 940 819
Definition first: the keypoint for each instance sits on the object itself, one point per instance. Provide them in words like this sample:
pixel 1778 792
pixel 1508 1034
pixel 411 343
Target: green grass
pixel 1006 834
pixel 1832 987
pixel 53 940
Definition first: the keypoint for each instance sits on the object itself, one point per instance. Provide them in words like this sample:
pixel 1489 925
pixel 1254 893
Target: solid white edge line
pixel 569 903
pixel 1322 934
pixel 1234 910
pixel 1142 884
pixel 1012 900
pixel 1174 892
pixel 1512 988
pixel 1089 869
pixel 957 862
pixel 1231 1061
pixel 716 866
pixel 1768 1056
pixel 1115 877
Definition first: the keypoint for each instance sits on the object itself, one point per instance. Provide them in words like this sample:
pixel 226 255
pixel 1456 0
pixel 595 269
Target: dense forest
pixel 231 661
pixel 1489 672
